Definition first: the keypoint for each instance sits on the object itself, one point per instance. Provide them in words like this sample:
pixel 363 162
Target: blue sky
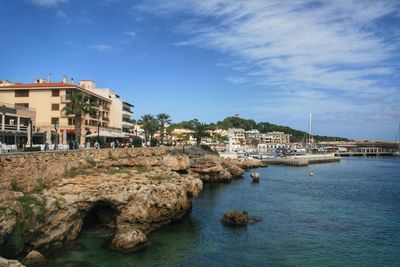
pixel 270 60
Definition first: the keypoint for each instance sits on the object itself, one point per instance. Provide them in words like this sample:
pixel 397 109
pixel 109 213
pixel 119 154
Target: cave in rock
pixel 102 214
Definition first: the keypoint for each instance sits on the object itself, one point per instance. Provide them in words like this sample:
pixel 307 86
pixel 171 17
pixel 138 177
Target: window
pixel 22 105
pixel 55 92
pixel 55 106
pixel 71 121
pixel 21 93
pixel 54 121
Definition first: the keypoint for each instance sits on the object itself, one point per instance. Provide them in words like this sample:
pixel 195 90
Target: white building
pixel 120 110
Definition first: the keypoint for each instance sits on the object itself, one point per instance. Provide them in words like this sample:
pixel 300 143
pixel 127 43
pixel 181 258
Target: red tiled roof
pixel 37 85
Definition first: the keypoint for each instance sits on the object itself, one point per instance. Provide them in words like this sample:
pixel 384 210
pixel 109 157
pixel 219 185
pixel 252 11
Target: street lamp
pixel 30 131
pixel 55 127
pixel 98 133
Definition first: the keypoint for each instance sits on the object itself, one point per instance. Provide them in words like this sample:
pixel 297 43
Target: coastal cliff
pixel 130 191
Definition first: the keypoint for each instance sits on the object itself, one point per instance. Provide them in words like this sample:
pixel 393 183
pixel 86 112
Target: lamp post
pixel 30 131
pixel 55 127
pixel 98 133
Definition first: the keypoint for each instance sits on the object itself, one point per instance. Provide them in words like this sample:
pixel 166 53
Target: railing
pixel 15 107
pixel 13 127
pixel 65 98
pixel 106 119
pixel 127 110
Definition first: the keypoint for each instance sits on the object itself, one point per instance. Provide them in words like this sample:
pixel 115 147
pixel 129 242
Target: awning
pixel 107 134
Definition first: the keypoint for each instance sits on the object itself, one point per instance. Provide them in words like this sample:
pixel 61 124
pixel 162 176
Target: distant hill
pixel 263 127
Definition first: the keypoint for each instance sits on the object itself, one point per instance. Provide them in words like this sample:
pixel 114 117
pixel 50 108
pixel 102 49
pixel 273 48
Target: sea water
pixel 347 214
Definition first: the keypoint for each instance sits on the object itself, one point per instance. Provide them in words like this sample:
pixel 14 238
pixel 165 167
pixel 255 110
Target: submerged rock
pixel 34 257
pixel 255 176
pixel 129 240
pixel 235 218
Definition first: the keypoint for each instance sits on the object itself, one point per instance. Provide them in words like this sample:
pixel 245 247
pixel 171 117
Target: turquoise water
pixel 348 214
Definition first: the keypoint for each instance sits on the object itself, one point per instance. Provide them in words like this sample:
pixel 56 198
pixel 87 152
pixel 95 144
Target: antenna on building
pixel 64 80
pixel 50 76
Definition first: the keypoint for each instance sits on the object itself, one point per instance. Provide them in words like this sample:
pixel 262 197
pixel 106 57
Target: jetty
pixel 303 160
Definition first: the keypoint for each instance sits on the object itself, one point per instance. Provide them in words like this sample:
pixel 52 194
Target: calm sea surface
pixel 348 214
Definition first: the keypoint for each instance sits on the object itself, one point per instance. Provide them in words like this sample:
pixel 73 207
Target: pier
pixel 303 160
pixel 363 154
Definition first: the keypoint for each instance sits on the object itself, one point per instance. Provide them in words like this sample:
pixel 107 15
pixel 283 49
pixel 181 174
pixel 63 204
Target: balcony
pixel 14 128
pixel 106 119
pixel 127 110
pixel 65 99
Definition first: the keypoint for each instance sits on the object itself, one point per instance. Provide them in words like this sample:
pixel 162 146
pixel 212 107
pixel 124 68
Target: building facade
pixel 48 99
pixel 16 124
pixel 120 110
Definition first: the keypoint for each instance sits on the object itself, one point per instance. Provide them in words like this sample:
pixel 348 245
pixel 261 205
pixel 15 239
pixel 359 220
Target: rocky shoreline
pixel 133 195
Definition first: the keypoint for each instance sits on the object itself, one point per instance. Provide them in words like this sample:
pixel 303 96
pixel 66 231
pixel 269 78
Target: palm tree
pixel 150 126
pixel 163 119
pixel 78 106
pixel 200 131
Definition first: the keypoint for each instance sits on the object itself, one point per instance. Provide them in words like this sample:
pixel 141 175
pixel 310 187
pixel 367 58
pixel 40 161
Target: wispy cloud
pixel 61 14
pixel 131 34
pixel 48 3
pixel 101 47
pixel 342 49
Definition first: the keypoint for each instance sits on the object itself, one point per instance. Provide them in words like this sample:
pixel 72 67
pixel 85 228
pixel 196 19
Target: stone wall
pixel 25 169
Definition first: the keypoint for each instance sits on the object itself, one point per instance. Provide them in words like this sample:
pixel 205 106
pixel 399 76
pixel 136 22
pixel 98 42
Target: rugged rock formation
pixel 34 257
pixel 215 169
pixel 255 176
pixel 131 192
pixel 238 218
pixel 235 218
pixel 10 263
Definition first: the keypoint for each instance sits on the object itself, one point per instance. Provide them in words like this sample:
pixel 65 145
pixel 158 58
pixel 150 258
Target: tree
pixel 200 131
pixel 163 119
pixel 170 130
pixel 78 106
pixel 149 125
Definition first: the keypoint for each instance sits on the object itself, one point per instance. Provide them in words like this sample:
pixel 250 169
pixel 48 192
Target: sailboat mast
pixel 310 130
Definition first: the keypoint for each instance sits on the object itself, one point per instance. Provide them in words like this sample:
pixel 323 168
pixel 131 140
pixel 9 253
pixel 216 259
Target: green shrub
pixel 40 186
pixel 137 141
pixel 32 149
pixel 141 169
pixel 207 149
pixel 153 142
pixel 15 187
pixel 31 213
pixel 75 171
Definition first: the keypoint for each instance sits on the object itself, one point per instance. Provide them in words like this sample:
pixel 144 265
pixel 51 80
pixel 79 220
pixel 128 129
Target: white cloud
pixel 341 49
pixel 101 47
pixel 131 34
pixel 48 3
pixel 61 14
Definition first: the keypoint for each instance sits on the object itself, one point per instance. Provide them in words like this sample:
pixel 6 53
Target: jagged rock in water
pixel 255 176
pixel 235 218
pixel 128 240
pixel 34 257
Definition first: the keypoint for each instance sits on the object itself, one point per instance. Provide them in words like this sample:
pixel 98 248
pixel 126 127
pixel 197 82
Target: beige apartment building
pixel 275 138
pixel 120 110
pixel 48 100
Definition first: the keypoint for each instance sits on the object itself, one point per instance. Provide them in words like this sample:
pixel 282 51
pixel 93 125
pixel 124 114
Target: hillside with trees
pixel 248 124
